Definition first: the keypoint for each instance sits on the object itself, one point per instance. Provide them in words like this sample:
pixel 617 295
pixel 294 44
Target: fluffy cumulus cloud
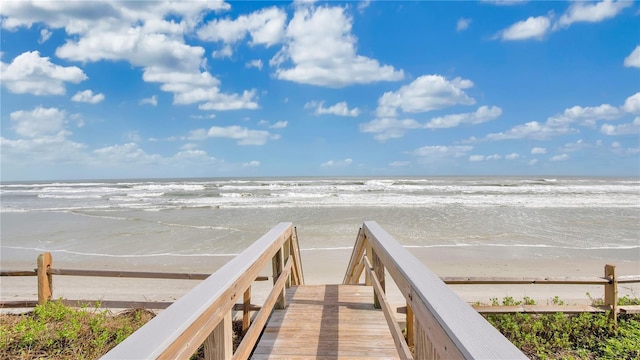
pixel 87 96
pixel 562 157
pixel 561 124
pixel 538 151
pixel 39 122
pixel 483 114
pixel 633 60
pixel 146 34
pixel 632 128
pixel 580 11
pixel 426 93
pixel 30 73
pixel 252 163
pixel 339 109
pixel 257 63
pixel 153 101
pixel 319 49
pixel 389 128
pixel 532 28
pixel 537 27
pixel 265 27
pixel 243 135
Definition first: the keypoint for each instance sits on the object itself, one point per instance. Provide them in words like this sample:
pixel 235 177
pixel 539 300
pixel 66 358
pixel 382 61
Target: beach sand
pixel 328 267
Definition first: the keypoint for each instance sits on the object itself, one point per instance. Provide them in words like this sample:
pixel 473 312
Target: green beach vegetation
pixel 56 331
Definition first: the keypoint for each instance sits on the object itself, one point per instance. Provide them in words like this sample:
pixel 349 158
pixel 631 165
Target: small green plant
pixel 570 336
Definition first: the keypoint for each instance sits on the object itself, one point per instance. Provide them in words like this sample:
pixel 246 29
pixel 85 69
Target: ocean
pixel 180 223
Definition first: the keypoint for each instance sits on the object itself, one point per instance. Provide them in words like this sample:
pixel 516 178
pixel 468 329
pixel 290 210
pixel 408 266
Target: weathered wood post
pixel 611 291
pixel 369 255
pixel 378 269
pixel 45 278
pixel 246 313
pixel 410 326
pixel 219 344
pixel 277 263
pixel 286 253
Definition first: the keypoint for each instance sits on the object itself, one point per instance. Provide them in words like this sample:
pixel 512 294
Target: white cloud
pixel 257 63
pixel 633 60
pixel 632 104
pixel 39 122
pixel 589 115
pixel 398 164
pixel 532 130
pixel 244 135
pixel 127 153
pixel 87 96
pixel 146 34
pixel 426 93
pixel 562 157
pixel 475 158
pixel 319 44
pixel 622 129
pixel 532 28
pixel 45 34
pixel 592 12
pixel 483 114
pixel 337 163
pixel 29 73
pixel 574 146
pixel 153 101
pixel 439 151
pixel 225 52
pixel 252 163
pixel 279 125
pixel 339 109
pixel 265 26
pixel 512 156
pixel 463 24
pixel 362 5
pixel 505 2
pixel 389 128
pixel 538 150
pixel 533 162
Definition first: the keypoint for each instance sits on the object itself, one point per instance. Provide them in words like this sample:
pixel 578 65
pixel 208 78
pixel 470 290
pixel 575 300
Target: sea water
pixel 179 221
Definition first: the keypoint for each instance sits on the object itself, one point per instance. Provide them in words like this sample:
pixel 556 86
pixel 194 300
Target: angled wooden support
pixel 611 292
pixel 45 278
pixel 356 265
pixel 297 259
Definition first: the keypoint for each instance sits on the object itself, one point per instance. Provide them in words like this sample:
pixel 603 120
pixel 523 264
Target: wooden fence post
pixel 277 263
pixel 45 278
pixel 219 344
pixel 378 269
pixel 246 313
pixel 611 291
pixel 369 254
pixel 410 326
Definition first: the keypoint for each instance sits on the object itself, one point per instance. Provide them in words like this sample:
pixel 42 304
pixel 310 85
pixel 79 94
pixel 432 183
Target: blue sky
pixel 138 89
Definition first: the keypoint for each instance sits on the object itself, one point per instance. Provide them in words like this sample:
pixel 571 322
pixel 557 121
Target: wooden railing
pixel 203 315
pixel 440 325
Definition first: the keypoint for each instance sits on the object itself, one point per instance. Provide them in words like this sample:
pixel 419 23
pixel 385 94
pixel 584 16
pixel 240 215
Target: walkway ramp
pixel 327 322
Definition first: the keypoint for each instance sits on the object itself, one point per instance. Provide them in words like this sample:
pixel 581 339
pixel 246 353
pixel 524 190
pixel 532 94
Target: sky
pixel 162 89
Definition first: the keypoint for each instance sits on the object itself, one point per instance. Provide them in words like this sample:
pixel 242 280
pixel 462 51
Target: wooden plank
pixel 441 313
pixel 182 327
pixel 628 279
pixel 19 272
pixel 327 321
pixel 611 292
pixel 539 309
pixel 297 259
pixel 15 304
pixel 497 280
pixel 136 274
pixel 629 309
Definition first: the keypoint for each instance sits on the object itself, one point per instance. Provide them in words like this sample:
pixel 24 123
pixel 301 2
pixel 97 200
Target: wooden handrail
pixel 446 326
pixel 182 327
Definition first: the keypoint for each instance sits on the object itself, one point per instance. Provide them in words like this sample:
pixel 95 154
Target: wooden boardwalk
pixel 327 322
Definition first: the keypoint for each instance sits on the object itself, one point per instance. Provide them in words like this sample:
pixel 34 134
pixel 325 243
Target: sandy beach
pixel 328 267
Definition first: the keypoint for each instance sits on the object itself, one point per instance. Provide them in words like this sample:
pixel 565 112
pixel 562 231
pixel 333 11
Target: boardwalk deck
pixel 327 322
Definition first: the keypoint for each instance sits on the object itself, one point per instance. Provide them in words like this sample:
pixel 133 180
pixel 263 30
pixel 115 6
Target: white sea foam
pixel 80 253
